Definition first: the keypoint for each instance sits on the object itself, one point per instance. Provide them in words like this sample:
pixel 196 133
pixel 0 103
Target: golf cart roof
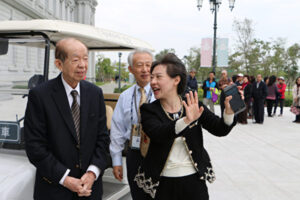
pixel 95 38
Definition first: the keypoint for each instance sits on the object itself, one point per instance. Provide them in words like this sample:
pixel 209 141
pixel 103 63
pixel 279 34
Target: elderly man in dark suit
pixel 259 94
pixel 65 130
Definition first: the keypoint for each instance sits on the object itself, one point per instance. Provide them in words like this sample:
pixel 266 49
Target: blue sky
pixel 178 24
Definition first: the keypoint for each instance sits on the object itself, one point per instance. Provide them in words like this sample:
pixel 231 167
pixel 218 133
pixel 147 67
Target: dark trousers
pixel 270 104
pixel 133 161
pixel 297 118
pixel 258 108
pixel 249 108
pixel 182 188
pixel 242 117
pixel 281 103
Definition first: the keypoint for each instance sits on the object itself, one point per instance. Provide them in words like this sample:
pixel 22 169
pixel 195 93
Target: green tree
pixel 279 57
pixel 245 34
pixel 234 61
pixel 264 57
pixel 260 57
pixel 124 70
pixel 291 67
pixel 163 52
pixel 104 68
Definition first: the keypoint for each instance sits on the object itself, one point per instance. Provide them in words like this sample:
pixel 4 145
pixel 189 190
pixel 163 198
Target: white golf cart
pixel 35 40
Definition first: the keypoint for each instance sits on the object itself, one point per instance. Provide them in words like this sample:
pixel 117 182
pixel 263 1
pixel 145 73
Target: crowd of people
pixel 259 93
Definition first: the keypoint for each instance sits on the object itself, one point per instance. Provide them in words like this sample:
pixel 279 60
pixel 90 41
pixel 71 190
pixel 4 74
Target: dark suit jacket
pixel 192 83
pixel 248 92
pixel 260 93
pixel 51 142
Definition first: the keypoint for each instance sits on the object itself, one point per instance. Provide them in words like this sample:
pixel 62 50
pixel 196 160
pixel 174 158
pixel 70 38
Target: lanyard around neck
pixel 134 97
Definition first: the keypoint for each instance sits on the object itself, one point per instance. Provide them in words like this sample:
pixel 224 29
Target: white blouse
pixel 179 163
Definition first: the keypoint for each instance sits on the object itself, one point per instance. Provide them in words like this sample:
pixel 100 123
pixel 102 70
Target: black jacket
pixel 248 92
pixel 192 83
pixel 260 93
pixel 161 131
pixel 51 141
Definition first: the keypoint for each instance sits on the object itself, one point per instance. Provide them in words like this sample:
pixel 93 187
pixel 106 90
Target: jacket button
pixel 201 178
pixel 183 138
pixel 196 164
pixel 77 166
pixel 190 152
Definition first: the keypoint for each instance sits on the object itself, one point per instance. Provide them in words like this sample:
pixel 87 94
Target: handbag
pixel 295 109
pixel 214 95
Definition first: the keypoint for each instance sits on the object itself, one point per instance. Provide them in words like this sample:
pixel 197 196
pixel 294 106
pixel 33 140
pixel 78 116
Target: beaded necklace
pixel 181 110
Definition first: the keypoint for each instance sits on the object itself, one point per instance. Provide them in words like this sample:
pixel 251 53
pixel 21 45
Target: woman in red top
pixel 280 97
pixel 242 117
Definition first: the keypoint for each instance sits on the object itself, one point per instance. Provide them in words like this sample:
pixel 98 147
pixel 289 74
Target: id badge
pixel 135 138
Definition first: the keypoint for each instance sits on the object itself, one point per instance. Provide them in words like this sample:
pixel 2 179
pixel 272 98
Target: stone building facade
pixel 22 62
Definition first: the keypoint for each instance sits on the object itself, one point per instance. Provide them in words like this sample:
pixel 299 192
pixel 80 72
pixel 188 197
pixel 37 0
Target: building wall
pixel 22 62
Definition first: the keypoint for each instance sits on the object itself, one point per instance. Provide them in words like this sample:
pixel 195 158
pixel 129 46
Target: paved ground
pixel 254 162
pixel 257 162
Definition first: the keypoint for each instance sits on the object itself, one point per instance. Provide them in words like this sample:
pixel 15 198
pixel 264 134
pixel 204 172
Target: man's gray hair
pixel 130 56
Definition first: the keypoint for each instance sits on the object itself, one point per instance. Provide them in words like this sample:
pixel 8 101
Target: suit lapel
pixel 84 107
pixel 61 100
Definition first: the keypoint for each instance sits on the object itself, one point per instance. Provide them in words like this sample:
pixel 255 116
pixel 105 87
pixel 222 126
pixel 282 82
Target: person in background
pixel 271 97
pixel 239 80
pixel 259 94
pixel 223 83
pixel 242 117
pixel 192 81
pixel 266 80
pixel 248 96
pixel 126 119
pixel 296 98
pixel 208 87
pixel 177 165
pixel 116 78
pixel 224 80
pixel 280 98
pixel 234 78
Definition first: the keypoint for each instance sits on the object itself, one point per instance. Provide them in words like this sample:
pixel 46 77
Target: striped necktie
pixel 143 98
pixel 75 108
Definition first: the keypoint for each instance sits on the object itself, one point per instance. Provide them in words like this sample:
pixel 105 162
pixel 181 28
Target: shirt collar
pixel 68 88
pixel 147 88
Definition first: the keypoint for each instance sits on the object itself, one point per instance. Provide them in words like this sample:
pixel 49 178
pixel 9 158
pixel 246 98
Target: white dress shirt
pixel 125 114
pixel 68 90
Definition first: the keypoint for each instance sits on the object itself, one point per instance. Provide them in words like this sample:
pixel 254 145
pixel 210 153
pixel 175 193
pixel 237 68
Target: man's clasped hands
pixel 82 186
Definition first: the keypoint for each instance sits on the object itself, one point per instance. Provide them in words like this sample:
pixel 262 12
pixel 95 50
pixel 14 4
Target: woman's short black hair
pixel 252 79
pixel 272 80
pixel 174 68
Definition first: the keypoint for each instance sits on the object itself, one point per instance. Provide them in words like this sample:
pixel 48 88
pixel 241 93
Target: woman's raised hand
pixel 192 110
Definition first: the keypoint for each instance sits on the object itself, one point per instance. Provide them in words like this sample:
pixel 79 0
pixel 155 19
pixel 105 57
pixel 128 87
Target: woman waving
pixel 177 165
